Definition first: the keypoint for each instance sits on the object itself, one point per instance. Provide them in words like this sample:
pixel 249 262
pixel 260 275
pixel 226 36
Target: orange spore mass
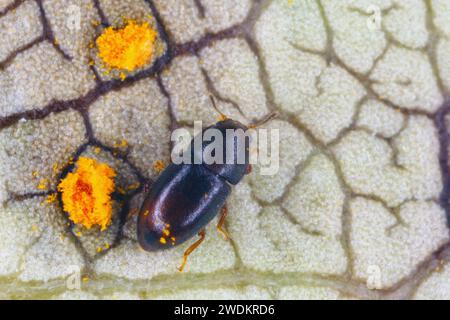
pixel 86 193
pixel 127 48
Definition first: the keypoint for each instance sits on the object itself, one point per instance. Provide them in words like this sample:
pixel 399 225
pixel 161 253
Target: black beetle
pixel 186 197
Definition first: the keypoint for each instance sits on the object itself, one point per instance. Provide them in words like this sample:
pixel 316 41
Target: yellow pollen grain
pixel 127 48
pixel 86 193
pixel 158 166
pixel 166 232
pixel 51 198
pixel 162 240
pixel 121 144
pixel 134 186
pixel 97 150
pixel 43 184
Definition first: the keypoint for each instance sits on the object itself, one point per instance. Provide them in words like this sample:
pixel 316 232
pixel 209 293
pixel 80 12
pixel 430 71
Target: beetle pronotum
pixel 186 197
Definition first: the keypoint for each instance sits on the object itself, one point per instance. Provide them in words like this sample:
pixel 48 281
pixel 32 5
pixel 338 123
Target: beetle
pixel 186 197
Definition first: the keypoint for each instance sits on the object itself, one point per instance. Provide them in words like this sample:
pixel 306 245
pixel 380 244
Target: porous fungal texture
pixel 357 209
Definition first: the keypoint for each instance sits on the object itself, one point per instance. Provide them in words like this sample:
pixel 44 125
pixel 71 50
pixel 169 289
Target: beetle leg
pixel 189 250
pixel 220 227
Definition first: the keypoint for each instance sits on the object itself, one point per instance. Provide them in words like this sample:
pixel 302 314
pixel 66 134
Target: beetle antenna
pixel 264 120
pixel 213 101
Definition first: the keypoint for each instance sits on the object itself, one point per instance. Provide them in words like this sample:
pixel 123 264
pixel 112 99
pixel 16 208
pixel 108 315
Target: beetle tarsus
pixel 220 224
pixel 189 250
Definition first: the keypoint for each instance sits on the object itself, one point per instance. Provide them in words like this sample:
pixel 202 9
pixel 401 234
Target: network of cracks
pixel 244 30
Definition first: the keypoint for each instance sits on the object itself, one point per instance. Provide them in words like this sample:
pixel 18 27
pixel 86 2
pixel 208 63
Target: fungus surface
pixel 358 208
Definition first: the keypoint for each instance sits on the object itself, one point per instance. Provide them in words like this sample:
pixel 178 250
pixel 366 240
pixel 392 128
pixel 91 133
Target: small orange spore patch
pixel 86 193
pixel 51 198
pixel 43 184
pixel 158 166
pixel 127 48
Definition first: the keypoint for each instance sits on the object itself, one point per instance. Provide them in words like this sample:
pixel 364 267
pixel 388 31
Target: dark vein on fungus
pixel 444 138
pixel 212 89
pixel 15 197
pixel 11 7
pixel 171 109
pixel 160 27
pixel 103 19
pixel 48 32
pixel 5 63
pixel 200 9
pixel 105 87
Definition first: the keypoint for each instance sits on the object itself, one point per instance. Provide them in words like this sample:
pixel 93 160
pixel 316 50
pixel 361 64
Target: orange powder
pixel 127 48
pixel 86 193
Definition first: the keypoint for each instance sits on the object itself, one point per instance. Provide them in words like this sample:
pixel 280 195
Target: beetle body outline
pixel 186 197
